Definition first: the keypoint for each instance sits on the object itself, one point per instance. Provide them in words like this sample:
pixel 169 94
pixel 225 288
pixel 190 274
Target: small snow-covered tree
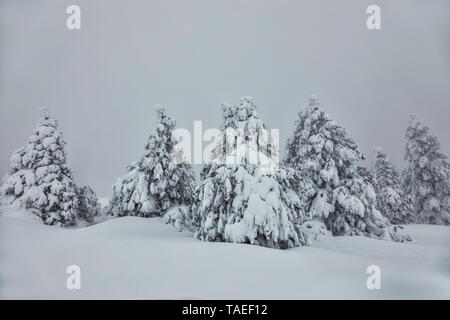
pixel 244 197
pixel 343 199
pixel 427 175
pixel 158 181
pixel 39 177
pixel 88 205
pixel 392 202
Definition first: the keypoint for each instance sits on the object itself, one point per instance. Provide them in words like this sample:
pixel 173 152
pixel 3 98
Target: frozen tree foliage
pixel 88 205
pixel 392 202
pixel 367 176
pixel 40 179
pixel 427 175
pixel 316 230
pixel 158 181
pixel 244 197
pixel 180 217
pixel 343 199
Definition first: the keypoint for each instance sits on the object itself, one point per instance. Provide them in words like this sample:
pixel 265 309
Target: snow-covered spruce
pixel 392 202
pixel 343 199
pixel 244 197
pixel 39 178
pixel 158 181
pixel 88 205
pixel 426 179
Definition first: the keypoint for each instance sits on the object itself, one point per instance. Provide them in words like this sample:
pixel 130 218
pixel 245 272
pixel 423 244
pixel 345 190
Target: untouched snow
pixel 143 258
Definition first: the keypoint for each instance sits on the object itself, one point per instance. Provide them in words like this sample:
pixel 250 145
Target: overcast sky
pixel 103 82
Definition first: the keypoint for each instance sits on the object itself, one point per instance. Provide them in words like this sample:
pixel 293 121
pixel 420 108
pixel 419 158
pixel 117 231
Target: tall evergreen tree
pixel 244 197
pixel 392 202
pixel 40 179
pixel 158 181
pixel 427 175
pixel 343 199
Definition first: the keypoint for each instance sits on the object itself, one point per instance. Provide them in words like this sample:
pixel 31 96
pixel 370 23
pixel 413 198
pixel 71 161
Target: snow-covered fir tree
pixel 343 199
pixel 244 197
pixel 157 182
pixel 39 177
pixel 427 175
pixel 392 202
pixel 88 205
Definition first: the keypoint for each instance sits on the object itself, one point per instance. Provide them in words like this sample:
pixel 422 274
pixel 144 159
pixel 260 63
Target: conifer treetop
pixel 321 145
pixel 44 114
pixel 385 172
pixel 245 139
pixel 313 101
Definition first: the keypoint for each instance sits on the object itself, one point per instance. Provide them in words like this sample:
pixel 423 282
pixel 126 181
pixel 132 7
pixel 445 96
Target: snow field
pixel 143 258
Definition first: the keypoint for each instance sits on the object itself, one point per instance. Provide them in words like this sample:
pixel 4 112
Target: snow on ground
pixel 143 258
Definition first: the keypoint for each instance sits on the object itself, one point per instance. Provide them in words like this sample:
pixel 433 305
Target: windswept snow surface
pixel 143 258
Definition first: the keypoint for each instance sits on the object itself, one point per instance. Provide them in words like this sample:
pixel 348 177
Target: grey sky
pixel 104 81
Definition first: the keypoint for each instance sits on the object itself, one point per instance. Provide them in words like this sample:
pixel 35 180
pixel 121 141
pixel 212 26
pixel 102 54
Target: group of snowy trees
pixel 354 200
pixel 40 179
pixel 344 199
pixel 422 193
pixel 245 195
